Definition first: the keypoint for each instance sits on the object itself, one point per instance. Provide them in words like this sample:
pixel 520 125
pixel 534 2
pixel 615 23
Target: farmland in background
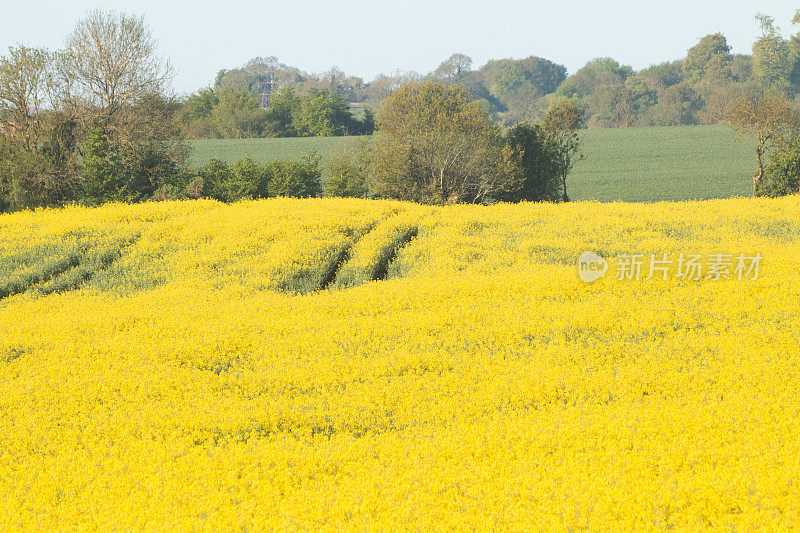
pixel 631 164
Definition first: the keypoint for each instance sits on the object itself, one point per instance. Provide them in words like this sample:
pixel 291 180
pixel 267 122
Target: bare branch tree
pixel 24 79
pixel 112 61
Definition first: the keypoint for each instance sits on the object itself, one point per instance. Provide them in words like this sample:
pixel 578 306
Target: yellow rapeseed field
pixel 373 365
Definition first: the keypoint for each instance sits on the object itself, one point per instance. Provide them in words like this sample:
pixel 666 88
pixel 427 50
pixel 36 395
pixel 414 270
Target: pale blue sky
pixel 366 38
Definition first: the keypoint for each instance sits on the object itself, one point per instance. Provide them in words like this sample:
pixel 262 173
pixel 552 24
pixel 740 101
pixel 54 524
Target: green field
pixel 634 164
pixel 265 150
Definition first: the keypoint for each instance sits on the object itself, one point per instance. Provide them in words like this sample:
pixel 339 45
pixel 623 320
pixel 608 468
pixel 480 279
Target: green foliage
pixel 453 69
pixel 131 163
pixel 347 173
pixel 595 74
pixel 771 61
pixel 771 55
pixel 296 179
pixel 232 112
pixel 322 114
pixel 238 114
pixel 367 123
pixel 37 140
pixel 710 58
pixel 509 81
pixel 434 145
pixel 200 105
pixel 282 108
pixel 782 174
pixel 537 156
pixel 244 179
pixel 248 180
pixel 663 75
pixel 562 122
pixel 104 175
pixel 216 176
pixel 678 105
pixel 771 118
pixel 631 164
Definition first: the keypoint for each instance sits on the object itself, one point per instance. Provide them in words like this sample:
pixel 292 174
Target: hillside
pixel 630 164
pixel 353 364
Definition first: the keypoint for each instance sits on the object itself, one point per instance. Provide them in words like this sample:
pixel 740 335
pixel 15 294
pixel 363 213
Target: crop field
pixel 631 164
pixel 330 364
pixel 266 150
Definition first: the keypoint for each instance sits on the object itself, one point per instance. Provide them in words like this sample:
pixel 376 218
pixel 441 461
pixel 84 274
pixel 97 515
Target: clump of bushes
pixel 247 179
pixel 348 172
pixel 435 145
pixel 782 174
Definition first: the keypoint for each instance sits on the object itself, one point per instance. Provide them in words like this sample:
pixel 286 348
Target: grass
pixel 632 165
pixel 671 163
pixel 266 150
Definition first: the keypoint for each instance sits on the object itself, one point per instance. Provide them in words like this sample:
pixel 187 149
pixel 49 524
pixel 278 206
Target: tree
pixel 38 137
pixel 663 75
pixel 111 58
pixel 385 84
pixel 770 54
pixel 562 121
pixel 347 173
pixel 118 87
pixel 544 75
pixel 709 58
pixel 509 81
pixel 794 54
pixel 282 107
pixel 599 86
pixel 134 167
pixel 453 68
pixel 594 74
pixel 322 113
pixel 678 105
pixel 782 174
pixel 248 180
pixel 770 118
pixel 200 105
pixel 196 113
pixel 295 179
pixel 238 114
pixel 538 158
pixel 435 145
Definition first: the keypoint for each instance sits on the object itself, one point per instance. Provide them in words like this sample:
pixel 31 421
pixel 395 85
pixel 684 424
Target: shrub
pixel 347 174
pixel 168 192
pixel 297 179
pixel 248 180
pixel 782 175
pixel 216 175
pixel 436 145
pixel 537 156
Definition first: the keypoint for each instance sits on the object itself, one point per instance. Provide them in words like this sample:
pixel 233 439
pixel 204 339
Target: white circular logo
pixel 591 266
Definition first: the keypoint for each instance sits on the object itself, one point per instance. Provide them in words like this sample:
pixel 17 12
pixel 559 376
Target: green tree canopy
pixel 710 58
pixel 771 66
pixel 435 145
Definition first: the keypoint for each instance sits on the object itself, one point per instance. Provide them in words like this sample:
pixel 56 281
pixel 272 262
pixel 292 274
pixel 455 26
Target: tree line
pixel 695 89
pixel 95 122
pixel 232 112
pixel 434 145
pixel 91 121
